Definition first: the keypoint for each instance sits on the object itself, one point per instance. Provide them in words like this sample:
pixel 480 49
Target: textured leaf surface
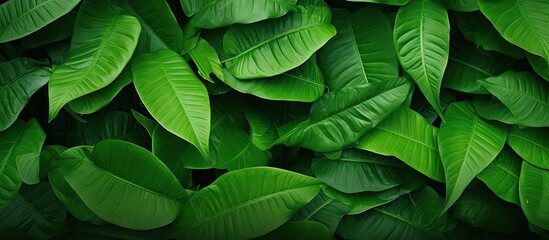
pixel 361 52
pixel 323 209
pixel 19 18
pixel 206 59
pixel 174 96
pixel 532 144
pixel 467 144
pixel 534 194
pixel 142 197
pixel 422 38
pixel 236 151
pixel 408 136
pixel 236 207
pixel 19 80
pixel 502 175
pixel 275 46
pixel 103 42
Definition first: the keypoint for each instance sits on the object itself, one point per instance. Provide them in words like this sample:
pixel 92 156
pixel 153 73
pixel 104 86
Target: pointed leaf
pixel 534 194
pixel 142 197
pixel 502 175
pixel 261 49
pixel 147 123
pixel 20 18
pixel 103 42
pixel 19 80
pixel 174 96
pixel 254 209
pixel 467 144
pixel 422 38
pixel 361 52
pixel 406 135
pixel 532 144
pixel 206 59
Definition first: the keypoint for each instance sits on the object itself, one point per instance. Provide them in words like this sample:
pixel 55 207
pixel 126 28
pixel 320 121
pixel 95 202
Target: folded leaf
pixel 534 194
pixel 532 144
pixel 275 46
pixel 422 41
pixel 103 42
pixel 174 96
pixel 19 80
pixel 467 144
pixel 361 52
pixel 408 136
pixel 235 201
pixel 19 18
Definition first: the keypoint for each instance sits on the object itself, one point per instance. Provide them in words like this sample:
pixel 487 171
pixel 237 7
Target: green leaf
pixel 305 230
pixel 302 84
pixel 61 187
pixel 249 210
pixel 539 65
pixel 142 197
pixel 406 135
pixel 174 96
pixel 147 123
pixel 360 171
pixel 47 155
pixel 275 46
pixel 323 209
pixel 461 5
pixel 218 13
pixel 526 96
pixel 177 153
pixel 339 119
pixel 480 208
pixel 236 151
pixel 103 42
pixel 20 18
pixel 422 41
pixel 263 131
pixel 468 64
pixel 160 29
pixel 521 22
pixel 18 140
pixel 28 166
pixel 534 194
pixel 502 175
pixel 388 2
pixel 413 216
pixel 361 52
pixel 34 214
pixel 206 59
pixel 59 30
pixel 364 201
pixel 97 100
pixel 532 144
pixel 19 80
pixel 477 29
pixel 467 144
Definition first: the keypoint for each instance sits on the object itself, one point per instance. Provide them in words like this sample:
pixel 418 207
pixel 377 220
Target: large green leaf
pixel 19 18
pixel 539 65
pixel 236 151
pixel 61 187
pixel 532 144
pixel 413 216
pixel 360 171
pixel 34 214
pixel 521 22
pixel 406 135
pixel 239 208
pixel 534 194
pixel 524 94
pixel 59 30
pixel 160 29
pixel 144 196
pixel 323 209
pixel 218 13
pixel 468 64
pixel 502 175
pixel 480 208
pixel 477 29
pixel 361 52
pixel 174 96
pixel 422 41
pixel 304 230
pixel 275 46
pixel 19 80
pixel 304 84
pixel 467 144
pixel 103 42
pixel 97 100
pixel 18 140
pixel 339 119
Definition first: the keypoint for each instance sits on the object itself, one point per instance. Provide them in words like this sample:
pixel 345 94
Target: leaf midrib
pixel 355 45
pixel 531 26
pixel 403 219
pixel 10 23
pixel 144 23
pixel 409 138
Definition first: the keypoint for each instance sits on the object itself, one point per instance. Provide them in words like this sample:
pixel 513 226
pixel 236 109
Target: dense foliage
pixel 274 119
